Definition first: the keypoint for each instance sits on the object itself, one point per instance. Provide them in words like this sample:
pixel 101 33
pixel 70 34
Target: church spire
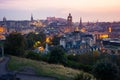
pixel 4 19
pixel 31 17
pixel 80 24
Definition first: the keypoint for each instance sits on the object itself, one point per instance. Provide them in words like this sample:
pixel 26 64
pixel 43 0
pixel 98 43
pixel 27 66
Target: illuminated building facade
pixel 111 46
pixel 3 30
pixel 110 29
pixel 100 35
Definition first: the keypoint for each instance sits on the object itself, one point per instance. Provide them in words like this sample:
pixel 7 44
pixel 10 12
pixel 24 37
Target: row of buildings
pixel 80 38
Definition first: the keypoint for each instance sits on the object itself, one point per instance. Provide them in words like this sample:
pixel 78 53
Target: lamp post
pixel 2 46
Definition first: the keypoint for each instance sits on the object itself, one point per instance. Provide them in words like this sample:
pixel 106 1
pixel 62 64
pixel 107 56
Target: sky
pixel 89 10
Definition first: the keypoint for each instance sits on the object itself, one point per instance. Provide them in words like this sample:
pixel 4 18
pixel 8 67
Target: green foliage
pixel 15 44
pixel 33 55
pixel 76 65
pixel 82 61
pixel 55 40
pixel 86 58
pixel 32 38
pixel 83 76
pixel 113 58
pixel 45 57
pixel 37 56
pixel 58 56
pixel 105 70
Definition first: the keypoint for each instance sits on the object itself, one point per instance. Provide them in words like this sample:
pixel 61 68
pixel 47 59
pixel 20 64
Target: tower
pixel 80 24
pixel 110 29
pixel 4 19
pixel 31 18
pixel 69 20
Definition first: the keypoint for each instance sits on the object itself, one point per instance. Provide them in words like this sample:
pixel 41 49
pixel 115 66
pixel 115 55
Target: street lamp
pixel 2 45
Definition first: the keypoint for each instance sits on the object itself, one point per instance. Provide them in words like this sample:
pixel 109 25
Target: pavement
pixel 3 68
pixel 28 77
pixel 3 71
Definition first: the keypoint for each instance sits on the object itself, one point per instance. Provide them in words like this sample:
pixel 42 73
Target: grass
pixel 43 69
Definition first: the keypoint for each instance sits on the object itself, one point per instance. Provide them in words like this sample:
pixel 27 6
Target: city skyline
pixel 89 10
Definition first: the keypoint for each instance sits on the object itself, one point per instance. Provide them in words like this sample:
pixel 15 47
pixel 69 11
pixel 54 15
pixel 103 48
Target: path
pixel 28 77
pixel 3 66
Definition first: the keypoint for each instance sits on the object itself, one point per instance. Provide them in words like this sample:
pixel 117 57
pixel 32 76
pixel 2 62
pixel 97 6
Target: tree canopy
pixel 15 44
pixel 105 70
pixel 32 38
pixel 57 56
pixel 56 40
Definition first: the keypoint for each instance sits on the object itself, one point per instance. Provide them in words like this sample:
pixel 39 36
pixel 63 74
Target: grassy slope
pixel 43 68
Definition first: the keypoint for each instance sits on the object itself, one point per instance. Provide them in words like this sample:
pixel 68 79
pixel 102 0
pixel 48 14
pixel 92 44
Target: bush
pixel 76 65
pixel 32 38
pixel 84 76
pixel 58 56
pixel 45 57
pixel 33 55
pixel 86 58
pixel 105 70
pixel 15 44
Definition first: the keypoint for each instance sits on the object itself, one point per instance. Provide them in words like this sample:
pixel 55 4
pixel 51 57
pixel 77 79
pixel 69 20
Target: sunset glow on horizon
pixel 89 10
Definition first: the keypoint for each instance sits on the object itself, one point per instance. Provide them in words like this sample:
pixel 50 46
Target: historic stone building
pixel 78 42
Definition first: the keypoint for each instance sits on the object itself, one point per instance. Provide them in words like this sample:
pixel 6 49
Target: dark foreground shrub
pixel 84 76
pixel 33 55
pixel 57 56
pixel 105 70
pixel 76 65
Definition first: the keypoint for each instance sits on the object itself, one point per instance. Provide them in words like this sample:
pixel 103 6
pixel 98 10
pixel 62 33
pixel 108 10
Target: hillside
pixel 43 68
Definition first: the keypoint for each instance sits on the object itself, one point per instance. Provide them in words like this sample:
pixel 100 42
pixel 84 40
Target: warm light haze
pixel 89 10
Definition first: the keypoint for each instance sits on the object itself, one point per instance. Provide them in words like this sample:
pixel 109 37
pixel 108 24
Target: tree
pixel 55 40
pixel 33 55
pixel 32 38
pixel 57 56
pixel 105 70
pixel 15 44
